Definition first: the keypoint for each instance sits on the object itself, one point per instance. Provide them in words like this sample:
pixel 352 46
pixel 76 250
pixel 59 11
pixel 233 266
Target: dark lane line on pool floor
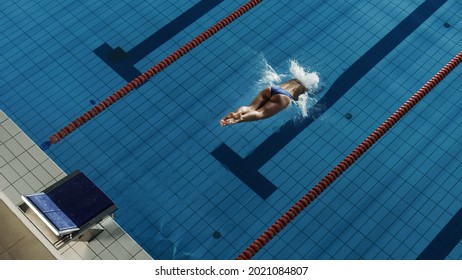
pixel 445 241
pixel 123 62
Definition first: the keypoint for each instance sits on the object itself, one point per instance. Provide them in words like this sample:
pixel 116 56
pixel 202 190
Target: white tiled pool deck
pixel 25 169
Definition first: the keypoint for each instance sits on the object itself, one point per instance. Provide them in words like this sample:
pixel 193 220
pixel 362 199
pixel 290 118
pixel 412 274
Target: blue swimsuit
pixel 279 90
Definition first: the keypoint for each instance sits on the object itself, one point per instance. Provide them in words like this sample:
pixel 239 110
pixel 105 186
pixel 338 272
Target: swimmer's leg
pixel 275 105
pixel 261 99
pixel 258 102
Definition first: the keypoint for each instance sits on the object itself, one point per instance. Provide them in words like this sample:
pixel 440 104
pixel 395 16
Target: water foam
pixel 309 79
pixel 269 75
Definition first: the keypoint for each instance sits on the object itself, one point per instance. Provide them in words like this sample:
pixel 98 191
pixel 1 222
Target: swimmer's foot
pixel 224 122
pixel 232 118
pixel 225 119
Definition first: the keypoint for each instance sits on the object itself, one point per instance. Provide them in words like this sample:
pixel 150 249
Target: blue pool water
pixel 187 188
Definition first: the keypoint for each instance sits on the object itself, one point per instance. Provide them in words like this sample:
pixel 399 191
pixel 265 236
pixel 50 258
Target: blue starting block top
pixel 69 204
pixel 53 213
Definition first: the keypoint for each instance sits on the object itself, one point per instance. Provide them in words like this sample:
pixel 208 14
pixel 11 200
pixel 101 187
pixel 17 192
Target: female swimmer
pixel 268 102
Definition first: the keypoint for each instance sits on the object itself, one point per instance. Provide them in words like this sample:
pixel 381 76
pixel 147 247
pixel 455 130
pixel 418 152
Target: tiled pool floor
pixel 181 182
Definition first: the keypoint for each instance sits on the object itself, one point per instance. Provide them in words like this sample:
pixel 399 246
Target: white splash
pixel 270 76
pixel 309 79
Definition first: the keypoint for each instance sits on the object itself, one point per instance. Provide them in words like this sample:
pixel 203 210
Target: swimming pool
pixel 185 187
